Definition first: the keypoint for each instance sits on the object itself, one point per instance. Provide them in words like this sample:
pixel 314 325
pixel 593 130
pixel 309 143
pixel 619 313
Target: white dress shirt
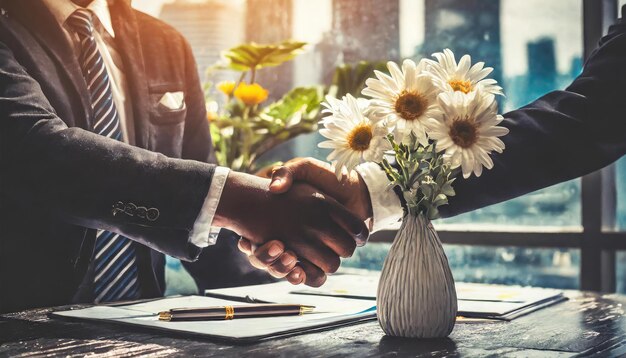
pixel 202 234
pixel 386 205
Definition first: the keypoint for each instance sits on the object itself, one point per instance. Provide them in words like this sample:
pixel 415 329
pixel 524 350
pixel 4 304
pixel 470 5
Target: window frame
pixel 597 244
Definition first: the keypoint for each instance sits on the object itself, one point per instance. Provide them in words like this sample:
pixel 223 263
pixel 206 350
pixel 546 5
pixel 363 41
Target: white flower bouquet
pixel 423 124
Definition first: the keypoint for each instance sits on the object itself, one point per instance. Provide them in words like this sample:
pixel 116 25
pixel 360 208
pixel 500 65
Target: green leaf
pixel 433 213
pixel 441 199
pixel 447 188
pixel 427 190
pixel 301 99
pixel 255 56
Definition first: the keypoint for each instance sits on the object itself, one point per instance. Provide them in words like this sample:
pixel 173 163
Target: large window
pixel 547 55
pixel 535 46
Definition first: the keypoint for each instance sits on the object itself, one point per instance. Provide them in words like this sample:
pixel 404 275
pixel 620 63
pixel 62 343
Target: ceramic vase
pixel 416 295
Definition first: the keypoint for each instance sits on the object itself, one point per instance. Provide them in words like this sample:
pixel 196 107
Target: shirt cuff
pixel 203 234
pixel 386 205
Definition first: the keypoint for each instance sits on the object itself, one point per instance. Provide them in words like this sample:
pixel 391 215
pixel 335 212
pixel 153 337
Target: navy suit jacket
pixel 59 182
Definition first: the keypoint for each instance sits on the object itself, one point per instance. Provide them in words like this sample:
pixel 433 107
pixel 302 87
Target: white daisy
pixel 449 76
pixel 405 99
pixel 354 134
pixel 467 130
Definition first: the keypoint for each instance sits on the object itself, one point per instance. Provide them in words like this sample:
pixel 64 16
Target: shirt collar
pixel 62 9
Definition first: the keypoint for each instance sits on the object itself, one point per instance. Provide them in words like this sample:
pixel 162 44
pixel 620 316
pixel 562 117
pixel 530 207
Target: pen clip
pixel 306 309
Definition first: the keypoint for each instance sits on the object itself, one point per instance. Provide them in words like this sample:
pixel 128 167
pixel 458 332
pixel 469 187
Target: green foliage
pixel 294 114
pixel 245 133
pixel 252 56
pixel 423 175
pixel 298 100
pixel 242 133
pixel 351 78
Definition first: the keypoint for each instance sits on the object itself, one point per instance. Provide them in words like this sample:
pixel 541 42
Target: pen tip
pixel 165 316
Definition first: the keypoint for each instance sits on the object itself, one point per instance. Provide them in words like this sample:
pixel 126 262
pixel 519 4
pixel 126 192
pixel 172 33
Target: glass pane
pixel 558 268
pixel 620 181
pixel 556 206
pixel 621 271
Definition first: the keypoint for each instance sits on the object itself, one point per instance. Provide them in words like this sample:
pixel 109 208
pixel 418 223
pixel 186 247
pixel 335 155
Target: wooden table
pixel 586 324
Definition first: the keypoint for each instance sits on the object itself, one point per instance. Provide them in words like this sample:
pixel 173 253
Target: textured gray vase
pixel 416 295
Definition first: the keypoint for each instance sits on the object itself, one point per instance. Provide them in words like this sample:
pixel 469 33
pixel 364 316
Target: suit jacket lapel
pixel 127 39
pixel 36 18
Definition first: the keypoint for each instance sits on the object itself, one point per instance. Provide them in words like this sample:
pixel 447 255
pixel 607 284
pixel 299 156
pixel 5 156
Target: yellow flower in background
pixel 212 109
pixel 251 94
pixel 211 116
pixel 227 87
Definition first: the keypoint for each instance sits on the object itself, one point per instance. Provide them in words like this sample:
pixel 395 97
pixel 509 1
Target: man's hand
pixel 313 225
pixel 349 191
pixel 273 257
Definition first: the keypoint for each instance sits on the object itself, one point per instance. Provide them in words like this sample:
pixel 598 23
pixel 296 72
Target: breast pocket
pixel 167 122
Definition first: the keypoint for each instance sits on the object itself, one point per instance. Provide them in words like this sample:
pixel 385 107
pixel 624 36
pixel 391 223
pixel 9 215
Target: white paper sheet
pixel 249 329
pixel 475 300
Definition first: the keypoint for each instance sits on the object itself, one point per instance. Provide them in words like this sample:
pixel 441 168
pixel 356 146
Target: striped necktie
pixel 115 268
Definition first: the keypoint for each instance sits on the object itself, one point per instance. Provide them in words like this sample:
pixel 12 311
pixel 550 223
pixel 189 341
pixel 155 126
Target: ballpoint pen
pixel 218 313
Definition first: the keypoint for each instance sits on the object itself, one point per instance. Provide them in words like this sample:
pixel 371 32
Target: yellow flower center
pixel 462 86
pixel 411 105
pixel 226 87
pixel 360 137
pixel 464 132
pixel 251 94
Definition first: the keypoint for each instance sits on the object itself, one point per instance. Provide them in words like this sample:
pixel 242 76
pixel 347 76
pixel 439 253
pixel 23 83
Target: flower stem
pixel 243 75
pixel 252 75
pixel 246 140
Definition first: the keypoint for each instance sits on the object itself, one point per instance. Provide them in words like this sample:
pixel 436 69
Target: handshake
pixel 299 223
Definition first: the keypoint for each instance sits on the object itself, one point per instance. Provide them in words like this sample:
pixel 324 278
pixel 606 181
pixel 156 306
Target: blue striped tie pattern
pixel 115 269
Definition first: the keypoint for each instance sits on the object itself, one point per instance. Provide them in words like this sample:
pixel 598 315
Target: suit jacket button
pixel 130 209
pixel 152 214
pixel 118 208
pixel 141 212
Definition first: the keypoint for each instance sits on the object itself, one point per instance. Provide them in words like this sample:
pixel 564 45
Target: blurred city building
pixel 466 27
pixel 210 26
pixel 270 21
pixel 541 67
pixel 362 34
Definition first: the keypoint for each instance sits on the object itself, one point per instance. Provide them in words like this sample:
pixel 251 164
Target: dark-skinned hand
pixel 310 223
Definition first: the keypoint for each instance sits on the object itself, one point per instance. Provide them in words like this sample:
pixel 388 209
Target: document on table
pixel 474 300
pixel 329 312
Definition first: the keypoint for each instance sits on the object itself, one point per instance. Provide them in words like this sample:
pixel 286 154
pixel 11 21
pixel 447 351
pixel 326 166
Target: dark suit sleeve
pixel 561 136
pixel 82 177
